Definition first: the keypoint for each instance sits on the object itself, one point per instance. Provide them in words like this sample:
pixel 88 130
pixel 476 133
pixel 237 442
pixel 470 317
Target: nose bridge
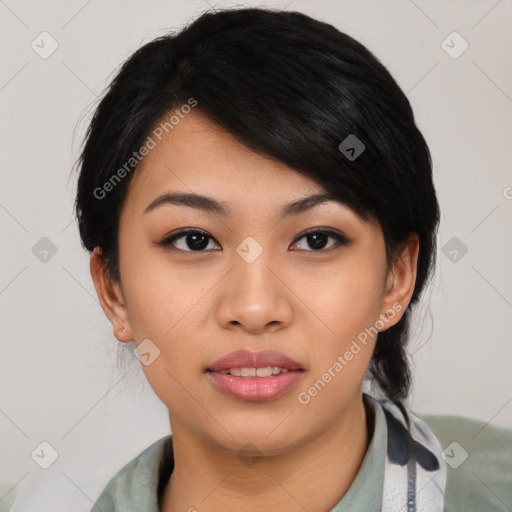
pixel 253 296
pixel 252 274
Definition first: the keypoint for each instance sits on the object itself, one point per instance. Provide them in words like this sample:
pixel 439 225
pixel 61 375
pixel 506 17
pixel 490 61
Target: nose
pixel 255 297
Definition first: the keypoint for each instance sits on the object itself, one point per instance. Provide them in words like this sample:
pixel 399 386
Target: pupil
pixel 315 245
pixel 194 245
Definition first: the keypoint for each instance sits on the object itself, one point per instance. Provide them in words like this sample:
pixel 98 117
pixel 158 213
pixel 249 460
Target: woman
pixel 259 207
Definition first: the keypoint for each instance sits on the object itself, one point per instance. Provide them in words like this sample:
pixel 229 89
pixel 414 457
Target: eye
pixel 318 238
pixel 193 240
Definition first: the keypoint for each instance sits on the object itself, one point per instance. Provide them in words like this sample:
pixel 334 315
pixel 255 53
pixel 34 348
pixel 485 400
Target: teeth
pixel 256 372
pixel 265 372
pixel 248 372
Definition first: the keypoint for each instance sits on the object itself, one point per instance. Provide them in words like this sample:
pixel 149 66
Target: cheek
pixel 166 309
pixel 170 306
pixel 343 352
pixel 350 299
pixel 348 305
pixel 161 297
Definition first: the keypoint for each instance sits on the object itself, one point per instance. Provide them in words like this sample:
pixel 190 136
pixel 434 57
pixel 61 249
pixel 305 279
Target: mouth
pixel 264 371
pixel 255 376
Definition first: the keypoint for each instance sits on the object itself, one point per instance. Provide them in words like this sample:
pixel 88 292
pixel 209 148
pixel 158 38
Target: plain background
pixel 59 380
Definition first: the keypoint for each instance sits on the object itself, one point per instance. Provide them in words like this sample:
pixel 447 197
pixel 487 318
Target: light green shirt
pixel 483 480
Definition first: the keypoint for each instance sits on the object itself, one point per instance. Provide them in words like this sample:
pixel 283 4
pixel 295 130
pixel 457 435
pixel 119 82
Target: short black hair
pixel 289 87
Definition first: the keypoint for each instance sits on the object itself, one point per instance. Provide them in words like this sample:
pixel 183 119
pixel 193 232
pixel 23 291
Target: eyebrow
pixel 208 204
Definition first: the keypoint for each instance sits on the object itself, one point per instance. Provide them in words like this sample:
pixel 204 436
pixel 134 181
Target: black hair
pixel 289 87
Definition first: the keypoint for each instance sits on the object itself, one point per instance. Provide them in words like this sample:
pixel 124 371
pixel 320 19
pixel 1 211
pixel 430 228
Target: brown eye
pixel 193 240
pixel 189 241
pixel 318 239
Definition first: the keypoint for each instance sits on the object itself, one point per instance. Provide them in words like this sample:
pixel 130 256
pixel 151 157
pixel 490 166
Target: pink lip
pixel 255 389
pixel 248 359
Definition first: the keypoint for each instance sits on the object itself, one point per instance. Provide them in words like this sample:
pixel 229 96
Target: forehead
pixel 198 156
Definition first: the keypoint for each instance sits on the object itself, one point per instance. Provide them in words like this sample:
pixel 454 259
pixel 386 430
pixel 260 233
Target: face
pixel 200 283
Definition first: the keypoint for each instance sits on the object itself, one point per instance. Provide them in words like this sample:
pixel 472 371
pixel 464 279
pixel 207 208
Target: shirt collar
pixel 365 492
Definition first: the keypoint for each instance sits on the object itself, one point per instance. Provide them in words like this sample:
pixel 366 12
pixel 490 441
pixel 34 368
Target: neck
pixel 208 478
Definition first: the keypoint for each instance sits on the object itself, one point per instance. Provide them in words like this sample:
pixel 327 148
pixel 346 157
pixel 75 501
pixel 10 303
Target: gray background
pixel 59 380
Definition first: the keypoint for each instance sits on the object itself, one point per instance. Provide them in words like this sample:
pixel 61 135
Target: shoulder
pixel 478 457
pixel 134 486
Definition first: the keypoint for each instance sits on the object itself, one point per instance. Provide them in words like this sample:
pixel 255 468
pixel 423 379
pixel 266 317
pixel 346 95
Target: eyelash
pixel 339 238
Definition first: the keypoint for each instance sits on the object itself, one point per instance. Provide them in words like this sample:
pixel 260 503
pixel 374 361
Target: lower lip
pixel 256 389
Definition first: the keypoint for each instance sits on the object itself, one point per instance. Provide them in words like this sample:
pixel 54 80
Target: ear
pixel 110 297
pixel 400 282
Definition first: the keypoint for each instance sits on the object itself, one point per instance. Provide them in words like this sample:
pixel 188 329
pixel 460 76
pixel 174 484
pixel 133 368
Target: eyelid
pixel 168 239
pixel 340 238
pixel 328 231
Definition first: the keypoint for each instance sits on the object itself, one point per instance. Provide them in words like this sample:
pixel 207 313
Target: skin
pixel 198 306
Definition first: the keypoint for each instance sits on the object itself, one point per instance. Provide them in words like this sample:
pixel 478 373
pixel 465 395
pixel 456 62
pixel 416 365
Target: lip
pixel 255 389
pixel 249 359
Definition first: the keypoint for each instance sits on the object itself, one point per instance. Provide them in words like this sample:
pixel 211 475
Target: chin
pixel 262 439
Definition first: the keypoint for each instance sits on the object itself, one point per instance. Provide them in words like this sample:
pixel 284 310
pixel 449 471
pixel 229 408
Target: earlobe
pixel 400 281
pixel 110 297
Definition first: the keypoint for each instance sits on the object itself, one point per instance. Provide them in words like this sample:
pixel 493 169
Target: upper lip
pixel 249 359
